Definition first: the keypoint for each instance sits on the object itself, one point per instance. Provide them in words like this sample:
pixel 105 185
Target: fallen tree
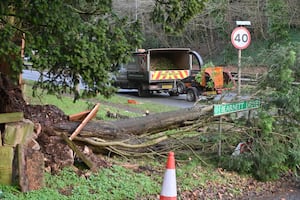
pixel 135 136
pixel 122 129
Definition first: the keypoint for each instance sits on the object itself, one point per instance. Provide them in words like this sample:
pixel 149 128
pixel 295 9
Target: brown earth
pixel 56 152
pixel 59 155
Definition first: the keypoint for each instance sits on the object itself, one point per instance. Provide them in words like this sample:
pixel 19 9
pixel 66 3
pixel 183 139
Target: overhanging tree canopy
pixel 70 39
pixel 173 15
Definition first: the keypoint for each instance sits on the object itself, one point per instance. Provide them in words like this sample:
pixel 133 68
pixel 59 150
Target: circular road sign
pixel 240 38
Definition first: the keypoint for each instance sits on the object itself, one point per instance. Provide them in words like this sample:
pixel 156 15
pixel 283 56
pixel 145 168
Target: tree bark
pixel 122 129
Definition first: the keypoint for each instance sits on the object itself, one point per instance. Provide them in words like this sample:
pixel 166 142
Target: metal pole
pixel 136 10
pixel 220 135
pixel 239 71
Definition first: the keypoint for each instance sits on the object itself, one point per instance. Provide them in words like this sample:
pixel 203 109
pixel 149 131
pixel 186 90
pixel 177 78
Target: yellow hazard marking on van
pixel 169 74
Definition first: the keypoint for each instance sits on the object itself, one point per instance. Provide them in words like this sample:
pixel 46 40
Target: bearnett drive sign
pixel 223 109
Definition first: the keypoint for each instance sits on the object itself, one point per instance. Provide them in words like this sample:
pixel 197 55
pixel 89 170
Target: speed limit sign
pixel 240 38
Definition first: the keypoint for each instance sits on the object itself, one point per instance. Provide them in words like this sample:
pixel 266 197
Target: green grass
pixel 141 104
pixel 120 183
pixel 112 183
pixel 66 104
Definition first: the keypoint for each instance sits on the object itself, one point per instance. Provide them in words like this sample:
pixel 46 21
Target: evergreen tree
pixel 71 41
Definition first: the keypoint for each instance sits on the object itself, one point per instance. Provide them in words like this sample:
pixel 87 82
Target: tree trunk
pixel 122 129
pixel 11 97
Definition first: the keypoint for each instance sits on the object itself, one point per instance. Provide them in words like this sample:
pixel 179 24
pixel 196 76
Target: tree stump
pixel 6 169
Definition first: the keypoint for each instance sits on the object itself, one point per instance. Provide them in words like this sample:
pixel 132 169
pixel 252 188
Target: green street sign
pixel 222 109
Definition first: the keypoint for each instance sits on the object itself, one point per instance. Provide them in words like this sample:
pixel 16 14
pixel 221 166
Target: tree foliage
pixel 277 11
pixel 275 131
pixel 73 41
pixel 10 50
pixel 283 92
pixel 173 15
pixel 208 30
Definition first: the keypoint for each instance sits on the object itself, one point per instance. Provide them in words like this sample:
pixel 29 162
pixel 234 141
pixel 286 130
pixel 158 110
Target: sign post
pixel 220 136
pixel 240 39
pixel 224 109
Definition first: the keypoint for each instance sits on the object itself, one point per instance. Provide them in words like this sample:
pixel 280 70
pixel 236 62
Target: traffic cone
pixel 169 187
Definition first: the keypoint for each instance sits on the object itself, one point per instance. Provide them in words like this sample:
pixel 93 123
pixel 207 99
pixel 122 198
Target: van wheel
pixel 192 94
pixel 172 94
pixel 181 87
pixel 143 93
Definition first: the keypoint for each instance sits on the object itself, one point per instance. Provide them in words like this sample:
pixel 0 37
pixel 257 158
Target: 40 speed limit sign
pixel 240 38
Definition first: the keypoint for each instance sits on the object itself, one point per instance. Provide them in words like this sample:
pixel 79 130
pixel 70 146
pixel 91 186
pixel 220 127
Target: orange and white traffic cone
pixel 169 187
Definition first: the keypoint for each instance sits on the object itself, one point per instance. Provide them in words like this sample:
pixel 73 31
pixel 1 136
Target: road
pixel 30 75
pixel 162 98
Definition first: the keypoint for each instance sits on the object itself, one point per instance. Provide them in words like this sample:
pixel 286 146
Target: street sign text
pixel 240 38
pixel 222 109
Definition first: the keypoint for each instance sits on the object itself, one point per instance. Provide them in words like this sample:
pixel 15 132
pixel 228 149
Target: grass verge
pixel 116 104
